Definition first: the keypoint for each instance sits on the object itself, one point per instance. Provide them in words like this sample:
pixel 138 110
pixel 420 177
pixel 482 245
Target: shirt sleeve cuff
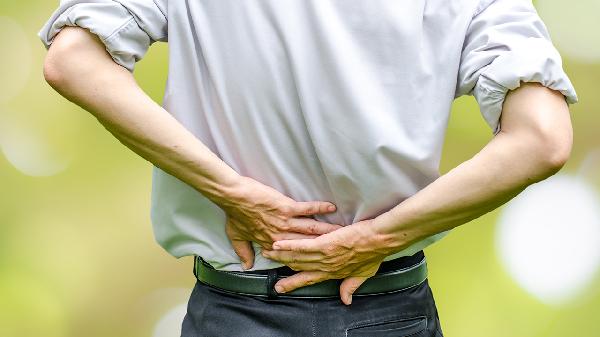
pixel 125 41
pixel 536 60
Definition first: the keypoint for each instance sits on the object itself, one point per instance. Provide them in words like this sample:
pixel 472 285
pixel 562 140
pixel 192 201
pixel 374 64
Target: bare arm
pixel 534 143
pixel 79 68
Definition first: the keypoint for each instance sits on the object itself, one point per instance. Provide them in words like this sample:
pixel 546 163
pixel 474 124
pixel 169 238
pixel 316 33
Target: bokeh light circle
pixel 169 324
pixel 30 149
pixel 15 61
pixel 573 27
pixel 548 238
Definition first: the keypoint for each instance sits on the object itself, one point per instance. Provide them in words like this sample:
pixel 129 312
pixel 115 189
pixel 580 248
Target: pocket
pixel 403 327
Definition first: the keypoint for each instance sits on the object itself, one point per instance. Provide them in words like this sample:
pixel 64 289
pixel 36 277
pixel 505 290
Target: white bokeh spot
pixel 15 61
pixel 548 238
pixel 30 150
pixel 169 325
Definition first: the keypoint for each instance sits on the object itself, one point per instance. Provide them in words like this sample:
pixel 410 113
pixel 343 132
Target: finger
pixel 301 245
pixel 245 251
pixel 349 286
pixel 294 236
pixel 298 280
pixel 268 245
pixel 312 207
pixel 311 226
pixel 242 248
pixel 291 257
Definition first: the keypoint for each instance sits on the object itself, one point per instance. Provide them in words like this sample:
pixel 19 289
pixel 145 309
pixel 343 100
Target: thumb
pixel 349 286
pixel 244 250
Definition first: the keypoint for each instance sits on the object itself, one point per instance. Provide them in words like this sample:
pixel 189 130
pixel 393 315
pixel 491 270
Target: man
pixel 297 150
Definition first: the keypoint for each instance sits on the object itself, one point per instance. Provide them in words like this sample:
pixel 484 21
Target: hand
pixel 353 253
pixel 256 212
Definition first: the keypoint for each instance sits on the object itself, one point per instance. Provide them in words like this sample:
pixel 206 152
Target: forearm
pixel 515 158
pixel 81 70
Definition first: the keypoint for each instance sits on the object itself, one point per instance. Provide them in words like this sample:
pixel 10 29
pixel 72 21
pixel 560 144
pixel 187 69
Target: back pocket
pixel 402 327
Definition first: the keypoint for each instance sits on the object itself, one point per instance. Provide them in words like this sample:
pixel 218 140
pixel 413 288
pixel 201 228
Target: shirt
pixel 333 100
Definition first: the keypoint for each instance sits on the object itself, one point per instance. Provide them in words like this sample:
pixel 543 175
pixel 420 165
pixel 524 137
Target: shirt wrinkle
pixel 327 99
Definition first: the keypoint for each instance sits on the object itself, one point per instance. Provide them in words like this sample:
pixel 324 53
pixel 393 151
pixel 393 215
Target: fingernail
pixel 275 246
pixel 349 299
pixel 279 289
pixel 331 208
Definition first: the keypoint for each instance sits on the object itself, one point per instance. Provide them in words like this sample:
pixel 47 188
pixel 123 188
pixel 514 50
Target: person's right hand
pixel 259 213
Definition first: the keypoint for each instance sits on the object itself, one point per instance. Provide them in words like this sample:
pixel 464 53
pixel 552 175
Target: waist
pixel 392 276
pixel 386 266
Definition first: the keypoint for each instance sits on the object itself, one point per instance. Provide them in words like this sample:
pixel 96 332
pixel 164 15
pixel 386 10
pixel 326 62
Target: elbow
pixel 61 62
pixel 56 72
pixel 557 156
pixel 554 149
pixel 53 73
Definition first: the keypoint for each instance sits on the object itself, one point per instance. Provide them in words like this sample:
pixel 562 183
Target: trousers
pixel 212 312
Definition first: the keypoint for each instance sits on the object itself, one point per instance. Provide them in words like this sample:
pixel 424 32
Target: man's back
pixel 298 107
pixel 331 100
pixel 337 100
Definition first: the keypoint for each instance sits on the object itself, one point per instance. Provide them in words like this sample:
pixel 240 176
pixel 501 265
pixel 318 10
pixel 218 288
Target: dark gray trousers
pixel 215 313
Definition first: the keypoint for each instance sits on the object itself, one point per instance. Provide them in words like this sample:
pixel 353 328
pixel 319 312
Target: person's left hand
pixel 352 253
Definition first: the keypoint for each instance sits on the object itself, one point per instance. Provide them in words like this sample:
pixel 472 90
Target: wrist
pixel 367 238
pixel 390 235
pixel 224 190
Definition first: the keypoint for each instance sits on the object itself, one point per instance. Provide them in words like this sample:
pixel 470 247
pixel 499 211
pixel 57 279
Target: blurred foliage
pixel 77 255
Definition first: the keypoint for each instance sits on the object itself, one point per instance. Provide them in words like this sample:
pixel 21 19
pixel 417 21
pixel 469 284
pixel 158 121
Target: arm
pixel 534 142
pixel 509 64
pixel 79 68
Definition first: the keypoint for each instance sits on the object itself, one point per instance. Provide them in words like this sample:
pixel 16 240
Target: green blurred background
pixel 77 255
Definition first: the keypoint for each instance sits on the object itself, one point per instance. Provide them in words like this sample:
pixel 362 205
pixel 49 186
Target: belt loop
pixel 271 279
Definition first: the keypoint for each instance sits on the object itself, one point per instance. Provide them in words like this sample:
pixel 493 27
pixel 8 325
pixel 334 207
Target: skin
pixel 79 68
pixel 534 143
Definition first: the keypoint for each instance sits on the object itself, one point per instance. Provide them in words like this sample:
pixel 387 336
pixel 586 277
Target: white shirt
pixel 333 100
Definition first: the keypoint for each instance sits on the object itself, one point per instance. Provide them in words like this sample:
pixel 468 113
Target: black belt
pixel 392 276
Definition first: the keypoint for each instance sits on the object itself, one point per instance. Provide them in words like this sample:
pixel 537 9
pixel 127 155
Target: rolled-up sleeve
pixel 126 27
pixel 506 43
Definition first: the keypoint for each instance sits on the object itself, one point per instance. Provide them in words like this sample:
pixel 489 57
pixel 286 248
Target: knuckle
pixel 274 237
pixel 285 226
pixel 309 281
pixel 286 209
pixel 329 249
pixel 304 208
